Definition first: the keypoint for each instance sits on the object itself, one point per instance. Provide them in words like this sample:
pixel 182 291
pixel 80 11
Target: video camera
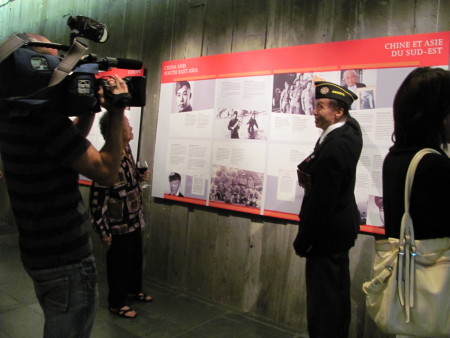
pixel 30 78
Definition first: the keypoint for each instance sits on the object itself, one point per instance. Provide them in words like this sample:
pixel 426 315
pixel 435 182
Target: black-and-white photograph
pixel 375 211
pixel 183 94
pixel 193 96
pixel 281 89
pixel 293 93
pixel 236 186
pixel 366 98
pixel 241 124
pixel 175 184
pixel 352 79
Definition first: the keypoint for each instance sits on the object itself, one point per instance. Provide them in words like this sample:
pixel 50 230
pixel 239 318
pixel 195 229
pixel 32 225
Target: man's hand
pixel 117 86
pixel 103 166
pixel 84 123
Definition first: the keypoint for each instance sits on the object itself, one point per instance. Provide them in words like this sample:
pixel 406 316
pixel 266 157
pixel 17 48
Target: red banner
pixel 417 50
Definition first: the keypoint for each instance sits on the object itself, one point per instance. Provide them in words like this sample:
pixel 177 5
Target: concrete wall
pixel 241 261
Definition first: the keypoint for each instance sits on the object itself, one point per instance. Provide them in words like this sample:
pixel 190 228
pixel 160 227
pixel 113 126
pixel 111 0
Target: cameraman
pixel 43 153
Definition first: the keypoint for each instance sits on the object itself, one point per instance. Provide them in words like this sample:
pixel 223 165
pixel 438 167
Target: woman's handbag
pixel 410 291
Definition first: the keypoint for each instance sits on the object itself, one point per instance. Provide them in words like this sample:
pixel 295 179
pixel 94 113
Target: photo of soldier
pixel 307 98
pixel 241 124
pixel 285 98
pixel 367 100
pixel 276 99
pixel 234 125
pixel 252 126
pixel 281 95
pixel 295 96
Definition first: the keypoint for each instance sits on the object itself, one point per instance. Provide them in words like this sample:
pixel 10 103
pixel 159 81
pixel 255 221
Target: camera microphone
pixel 109 62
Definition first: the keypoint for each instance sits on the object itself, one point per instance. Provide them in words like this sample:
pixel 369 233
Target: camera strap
pixel 12 43
pixel 66 66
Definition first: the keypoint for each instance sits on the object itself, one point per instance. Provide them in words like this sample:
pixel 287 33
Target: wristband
pixel 120 100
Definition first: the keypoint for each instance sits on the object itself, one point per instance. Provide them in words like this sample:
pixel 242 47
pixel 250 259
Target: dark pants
pixel 328 296
pixel 124 267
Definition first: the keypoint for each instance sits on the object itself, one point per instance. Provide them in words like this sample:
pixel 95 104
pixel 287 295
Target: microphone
pixel 109 62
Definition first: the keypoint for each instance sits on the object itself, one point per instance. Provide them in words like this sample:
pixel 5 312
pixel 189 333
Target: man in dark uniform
pixel 329 218
pixel 234 125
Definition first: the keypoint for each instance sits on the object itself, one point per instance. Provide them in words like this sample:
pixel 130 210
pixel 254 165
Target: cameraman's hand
pixel 117 86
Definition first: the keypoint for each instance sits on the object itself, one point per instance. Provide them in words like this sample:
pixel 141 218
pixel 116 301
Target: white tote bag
pixel 410 291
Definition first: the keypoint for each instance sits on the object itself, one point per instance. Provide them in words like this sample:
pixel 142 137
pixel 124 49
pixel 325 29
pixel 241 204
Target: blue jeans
pixel 68 296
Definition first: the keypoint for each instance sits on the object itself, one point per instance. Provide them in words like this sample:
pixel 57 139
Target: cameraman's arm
pixel 84 123
pixel 102 166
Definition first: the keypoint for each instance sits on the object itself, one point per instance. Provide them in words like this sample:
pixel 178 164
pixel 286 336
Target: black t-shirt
pixel 430 196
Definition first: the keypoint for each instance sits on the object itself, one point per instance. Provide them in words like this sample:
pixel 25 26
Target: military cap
pixel 329 90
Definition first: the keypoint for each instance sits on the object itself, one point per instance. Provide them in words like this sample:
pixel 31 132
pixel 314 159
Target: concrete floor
pixel 172 314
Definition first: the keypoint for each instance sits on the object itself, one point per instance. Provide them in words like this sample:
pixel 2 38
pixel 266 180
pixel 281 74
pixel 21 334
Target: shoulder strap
pixel 76 51
pixel 407 247
pixel 12 43
pixel 409 182
pixel 65 67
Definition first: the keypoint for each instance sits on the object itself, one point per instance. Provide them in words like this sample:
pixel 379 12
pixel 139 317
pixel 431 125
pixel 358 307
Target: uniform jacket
pixel 329 217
